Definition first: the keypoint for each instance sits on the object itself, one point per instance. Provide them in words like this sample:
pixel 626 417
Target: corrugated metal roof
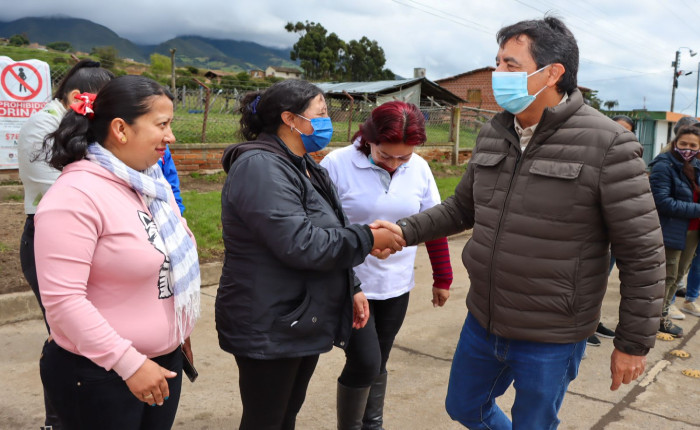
pixel 428 88
pixel 365 87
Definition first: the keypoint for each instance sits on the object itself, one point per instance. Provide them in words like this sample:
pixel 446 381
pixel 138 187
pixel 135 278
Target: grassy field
pixel 20 53
pixel 203 216
pixel 223 128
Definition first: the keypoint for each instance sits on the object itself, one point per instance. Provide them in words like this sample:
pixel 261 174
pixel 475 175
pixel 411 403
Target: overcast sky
pixel 626 46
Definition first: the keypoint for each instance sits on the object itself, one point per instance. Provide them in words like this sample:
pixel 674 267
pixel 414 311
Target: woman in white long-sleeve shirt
pixel 379 177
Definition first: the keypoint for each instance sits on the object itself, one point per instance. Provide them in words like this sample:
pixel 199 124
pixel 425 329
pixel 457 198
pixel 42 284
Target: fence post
pixel 206 108
pixel 456 116
pixel 184 97
pixel 352 110
pixel 172 69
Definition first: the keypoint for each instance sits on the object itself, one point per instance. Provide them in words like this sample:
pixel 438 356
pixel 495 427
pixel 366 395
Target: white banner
pixel 25 87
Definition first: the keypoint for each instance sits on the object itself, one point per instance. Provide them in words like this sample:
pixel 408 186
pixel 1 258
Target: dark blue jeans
pixel 86 396
pixel 484 366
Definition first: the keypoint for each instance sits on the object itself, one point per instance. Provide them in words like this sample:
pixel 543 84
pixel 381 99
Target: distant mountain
pixel 197 51
pixel 81 33
pixel 224 53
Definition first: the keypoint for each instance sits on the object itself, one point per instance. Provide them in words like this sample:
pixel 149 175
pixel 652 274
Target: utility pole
pixel 172 72
pixel 675 78
pixel 697 86
pixel 675 65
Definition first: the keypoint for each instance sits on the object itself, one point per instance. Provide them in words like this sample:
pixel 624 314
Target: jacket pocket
pixel 301 321
pixel 486 173
pixel 552 188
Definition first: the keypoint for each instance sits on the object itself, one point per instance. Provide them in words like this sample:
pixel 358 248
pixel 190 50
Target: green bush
pixel 60 46
pixel 19 40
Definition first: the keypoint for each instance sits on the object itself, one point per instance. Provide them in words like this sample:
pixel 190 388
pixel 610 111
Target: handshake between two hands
pixel 388 238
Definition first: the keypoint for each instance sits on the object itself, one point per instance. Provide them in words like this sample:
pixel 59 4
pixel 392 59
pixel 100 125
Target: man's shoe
pixel 691 308
pixel 605 332
pixel 593 341
pixel 675 314
pixel 667 326
pixel 680 292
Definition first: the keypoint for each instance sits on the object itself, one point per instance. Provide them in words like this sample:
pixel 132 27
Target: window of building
pixel 474 96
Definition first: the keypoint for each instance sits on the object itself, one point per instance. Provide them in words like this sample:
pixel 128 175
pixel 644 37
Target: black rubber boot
pixel 351 404
pixel 374 412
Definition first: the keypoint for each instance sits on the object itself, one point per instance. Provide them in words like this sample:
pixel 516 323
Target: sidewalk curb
pixel 16 307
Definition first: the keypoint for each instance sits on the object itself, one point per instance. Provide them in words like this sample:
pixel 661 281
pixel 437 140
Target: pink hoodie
pixel 100 276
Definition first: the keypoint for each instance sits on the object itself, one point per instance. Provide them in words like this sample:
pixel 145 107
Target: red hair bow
pixel 83 106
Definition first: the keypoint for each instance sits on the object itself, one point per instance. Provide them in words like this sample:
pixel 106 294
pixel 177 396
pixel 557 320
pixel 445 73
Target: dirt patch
pixel 11 278
pixel 13 217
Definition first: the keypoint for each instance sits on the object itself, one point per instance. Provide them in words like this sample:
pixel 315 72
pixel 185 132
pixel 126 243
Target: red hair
pixel 392 122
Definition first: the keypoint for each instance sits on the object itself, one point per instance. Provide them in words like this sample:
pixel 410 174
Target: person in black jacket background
pixel 674 180
pixel 287 291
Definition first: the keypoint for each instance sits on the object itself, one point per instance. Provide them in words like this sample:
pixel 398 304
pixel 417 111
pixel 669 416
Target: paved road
pixel 418 373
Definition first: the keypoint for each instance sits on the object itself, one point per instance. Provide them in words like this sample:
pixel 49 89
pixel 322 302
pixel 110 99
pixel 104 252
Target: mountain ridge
pixel 194 50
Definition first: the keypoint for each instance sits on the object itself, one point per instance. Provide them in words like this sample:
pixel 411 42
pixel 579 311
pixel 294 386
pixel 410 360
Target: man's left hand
pixel 625 368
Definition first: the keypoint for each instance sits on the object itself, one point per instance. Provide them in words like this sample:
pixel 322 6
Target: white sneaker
pixel 691 308
pixel 675 314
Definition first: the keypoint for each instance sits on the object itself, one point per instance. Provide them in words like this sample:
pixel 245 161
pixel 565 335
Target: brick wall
pixel 197 157
pixel 475 80
pixel 191 157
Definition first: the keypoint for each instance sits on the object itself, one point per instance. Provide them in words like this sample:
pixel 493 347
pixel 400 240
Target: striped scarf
pixel 184 263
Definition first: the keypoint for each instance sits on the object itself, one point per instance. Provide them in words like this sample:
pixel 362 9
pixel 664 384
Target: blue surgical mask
pixel 321 137
pixel 510 90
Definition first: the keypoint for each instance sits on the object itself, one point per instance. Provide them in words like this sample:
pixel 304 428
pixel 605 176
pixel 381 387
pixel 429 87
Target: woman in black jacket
pixel 287 292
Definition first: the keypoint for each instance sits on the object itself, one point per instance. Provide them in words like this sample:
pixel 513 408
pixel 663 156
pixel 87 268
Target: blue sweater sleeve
pixel 170 172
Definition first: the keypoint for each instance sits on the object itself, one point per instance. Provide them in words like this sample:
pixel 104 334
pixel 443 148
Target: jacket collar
pixel 552 118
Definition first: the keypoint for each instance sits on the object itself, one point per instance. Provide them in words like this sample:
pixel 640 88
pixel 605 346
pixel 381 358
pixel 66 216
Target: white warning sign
pixel 25 87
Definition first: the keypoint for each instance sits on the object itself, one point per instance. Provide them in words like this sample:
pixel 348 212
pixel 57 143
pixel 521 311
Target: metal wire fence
pixel 214 118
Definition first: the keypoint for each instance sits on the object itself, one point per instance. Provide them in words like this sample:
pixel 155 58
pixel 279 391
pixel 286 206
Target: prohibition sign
pixel 33 92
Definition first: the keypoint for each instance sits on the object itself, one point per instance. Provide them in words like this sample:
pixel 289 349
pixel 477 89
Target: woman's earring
pixel 123 138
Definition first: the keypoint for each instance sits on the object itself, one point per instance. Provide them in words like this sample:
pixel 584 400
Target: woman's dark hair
pixel 86 76
pixel 550 42
pixel 126 97
pixel 392 122
pixel 261 111
pixel 625 119
pixel 688 169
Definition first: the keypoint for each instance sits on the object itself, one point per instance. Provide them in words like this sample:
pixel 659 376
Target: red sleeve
pixel 439 254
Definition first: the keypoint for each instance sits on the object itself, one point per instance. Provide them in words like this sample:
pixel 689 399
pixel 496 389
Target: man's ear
pixel 556 71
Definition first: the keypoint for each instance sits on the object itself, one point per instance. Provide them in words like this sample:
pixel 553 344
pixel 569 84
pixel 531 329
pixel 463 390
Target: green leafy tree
pixel 160 64
pixel 591 99
pixel 364 60
pixel 60 46
pixel 610 104
pixel 318 53
pixel 19 40
pixel 107 54
pixel 243 76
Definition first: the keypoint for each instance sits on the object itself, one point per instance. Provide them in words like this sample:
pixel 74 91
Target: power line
pixel 449 14
pixel 462 22
pixel 627 77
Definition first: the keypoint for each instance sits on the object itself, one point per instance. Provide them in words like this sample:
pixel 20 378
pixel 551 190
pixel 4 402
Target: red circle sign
pixel 33 92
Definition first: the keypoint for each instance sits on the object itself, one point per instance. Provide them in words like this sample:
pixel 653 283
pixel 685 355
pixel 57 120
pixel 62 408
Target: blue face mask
pixel 321 137
pixel 510 90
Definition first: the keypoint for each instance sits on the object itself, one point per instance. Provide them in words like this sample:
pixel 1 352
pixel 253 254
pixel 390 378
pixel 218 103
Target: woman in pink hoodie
pixel 117 266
